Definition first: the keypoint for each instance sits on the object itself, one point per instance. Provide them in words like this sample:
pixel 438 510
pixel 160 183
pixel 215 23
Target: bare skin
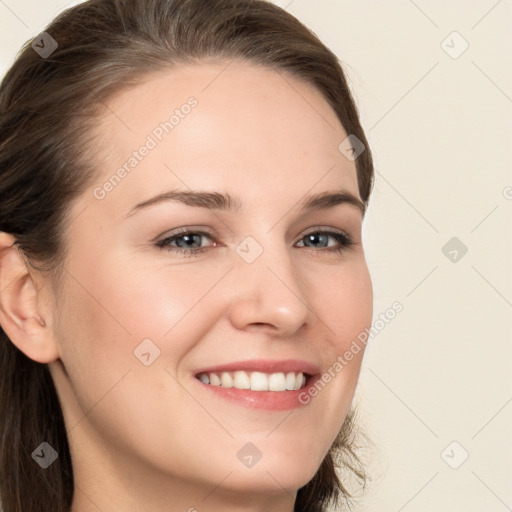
pixel 153 437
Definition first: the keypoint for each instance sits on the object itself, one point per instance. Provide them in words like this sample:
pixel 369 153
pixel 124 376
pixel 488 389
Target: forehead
pixel 220 125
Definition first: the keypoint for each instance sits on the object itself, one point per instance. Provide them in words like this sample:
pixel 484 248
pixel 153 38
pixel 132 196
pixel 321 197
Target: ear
pixel 25 315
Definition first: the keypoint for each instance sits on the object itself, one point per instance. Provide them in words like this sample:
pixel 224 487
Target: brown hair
pixel 47 109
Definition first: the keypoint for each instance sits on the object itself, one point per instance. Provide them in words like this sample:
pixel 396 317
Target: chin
pixel 277 470
pixel 271 480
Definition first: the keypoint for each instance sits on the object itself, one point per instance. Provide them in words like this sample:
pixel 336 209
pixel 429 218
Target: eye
pixel 185 241
pixel 322 238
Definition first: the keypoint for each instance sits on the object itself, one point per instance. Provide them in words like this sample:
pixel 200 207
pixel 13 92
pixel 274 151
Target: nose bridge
pixel 267 287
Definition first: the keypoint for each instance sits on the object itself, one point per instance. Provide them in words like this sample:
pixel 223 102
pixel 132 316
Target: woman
pixel 183 185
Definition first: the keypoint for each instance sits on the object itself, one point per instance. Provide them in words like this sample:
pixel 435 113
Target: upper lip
pixel 264 366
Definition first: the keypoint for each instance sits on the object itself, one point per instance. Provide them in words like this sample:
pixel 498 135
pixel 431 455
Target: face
pixel 162 303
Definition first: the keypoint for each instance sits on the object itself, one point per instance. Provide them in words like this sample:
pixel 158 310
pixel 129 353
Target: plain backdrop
pixel 433 83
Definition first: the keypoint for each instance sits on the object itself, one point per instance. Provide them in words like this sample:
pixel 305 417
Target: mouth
pixel 259 384
pixel 255 381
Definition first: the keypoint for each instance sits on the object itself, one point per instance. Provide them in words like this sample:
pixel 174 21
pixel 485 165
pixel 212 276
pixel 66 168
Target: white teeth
pixel 290 381
pixel 277 382
pixel 241 380
pixel 256 381
pixel 226 380
pixel 259 381
pixel 214 379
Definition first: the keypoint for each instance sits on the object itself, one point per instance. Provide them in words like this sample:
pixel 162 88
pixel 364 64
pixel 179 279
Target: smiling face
pixel 146 328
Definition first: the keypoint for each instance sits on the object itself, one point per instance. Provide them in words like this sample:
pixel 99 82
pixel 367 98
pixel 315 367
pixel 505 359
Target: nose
pixel 270 294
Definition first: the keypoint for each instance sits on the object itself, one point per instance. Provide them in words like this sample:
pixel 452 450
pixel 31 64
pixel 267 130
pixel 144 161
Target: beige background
pixel 440 130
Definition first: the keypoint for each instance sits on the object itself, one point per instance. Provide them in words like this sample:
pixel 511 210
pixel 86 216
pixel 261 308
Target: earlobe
pixel 23 316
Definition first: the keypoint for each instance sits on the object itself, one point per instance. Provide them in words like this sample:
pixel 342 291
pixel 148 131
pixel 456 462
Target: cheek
pixel 132 301
pixel 346 308
pixel 345 304
pixel 175 307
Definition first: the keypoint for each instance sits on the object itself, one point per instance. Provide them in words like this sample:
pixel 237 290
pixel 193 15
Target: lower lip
pixel 269 400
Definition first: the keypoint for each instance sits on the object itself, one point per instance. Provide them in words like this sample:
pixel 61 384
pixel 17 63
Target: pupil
pixel 189 239
pixel 312 237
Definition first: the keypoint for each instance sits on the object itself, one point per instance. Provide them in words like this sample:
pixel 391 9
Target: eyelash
pixel 344 240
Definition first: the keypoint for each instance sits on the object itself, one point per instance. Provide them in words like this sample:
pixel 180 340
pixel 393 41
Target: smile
pixel 255 381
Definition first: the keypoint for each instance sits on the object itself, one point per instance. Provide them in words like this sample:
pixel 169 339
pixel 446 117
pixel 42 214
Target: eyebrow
pixel 219 201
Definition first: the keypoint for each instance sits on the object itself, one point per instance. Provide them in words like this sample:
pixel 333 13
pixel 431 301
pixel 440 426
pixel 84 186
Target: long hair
pixel 48 104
